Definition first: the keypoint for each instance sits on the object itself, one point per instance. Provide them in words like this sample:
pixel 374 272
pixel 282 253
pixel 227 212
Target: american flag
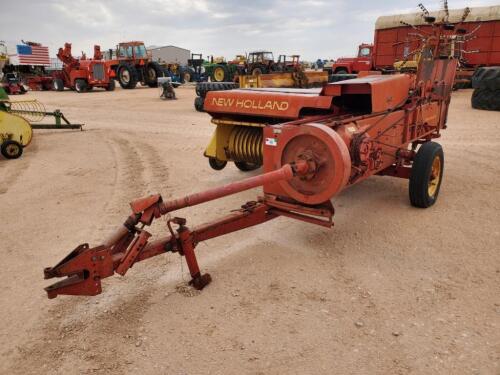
pixel 30 55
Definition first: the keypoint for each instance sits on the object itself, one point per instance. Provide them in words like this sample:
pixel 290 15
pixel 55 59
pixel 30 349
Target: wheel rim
pixel 12 150
pixel 435 176
pixel 256 72
pixel 219 74
pixel 125 76
pixel 187 77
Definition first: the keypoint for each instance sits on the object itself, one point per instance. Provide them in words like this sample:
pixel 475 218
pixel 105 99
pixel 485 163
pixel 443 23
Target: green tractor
pixel 220 70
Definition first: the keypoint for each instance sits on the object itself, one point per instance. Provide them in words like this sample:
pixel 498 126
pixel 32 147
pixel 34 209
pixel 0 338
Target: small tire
pixel 426 175
pixel 245 166
pixel 11 149
pixel 81 86
pixel 58 84
pixel 111 85
pixel 198 104
pixel 341 71
pixel 217 164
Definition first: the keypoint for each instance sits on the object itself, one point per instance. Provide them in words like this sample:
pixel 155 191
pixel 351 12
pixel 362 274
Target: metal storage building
pixel 170 54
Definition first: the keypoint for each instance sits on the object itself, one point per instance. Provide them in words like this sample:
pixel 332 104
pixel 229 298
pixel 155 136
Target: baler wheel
pixel 426 175
pixel 246 166
pixel 217 164
pixel 11 149
pixel 81 86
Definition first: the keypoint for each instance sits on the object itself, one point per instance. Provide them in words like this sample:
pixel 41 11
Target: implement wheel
pixel 246 166
pixel 11 149
pixel 217 164
pixel 426 175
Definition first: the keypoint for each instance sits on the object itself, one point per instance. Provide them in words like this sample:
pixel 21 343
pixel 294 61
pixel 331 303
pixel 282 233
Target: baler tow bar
pixel 85 267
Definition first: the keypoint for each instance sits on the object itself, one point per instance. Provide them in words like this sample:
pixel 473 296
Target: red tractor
pixel 132 64
pixel 82 74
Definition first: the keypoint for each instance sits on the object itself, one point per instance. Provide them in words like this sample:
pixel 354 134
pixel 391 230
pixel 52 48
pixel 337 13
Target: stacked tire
pixel 337 77
pixel 486 85
pixel 202 88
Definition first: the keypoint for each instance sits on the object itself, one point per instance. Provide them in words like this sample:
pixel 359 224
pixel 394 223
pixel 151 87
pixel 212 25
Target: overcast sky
pixel 311 28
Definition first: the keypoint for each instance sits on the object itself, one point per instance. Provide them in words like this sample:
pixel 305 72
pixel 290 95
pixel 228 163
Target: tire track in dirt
pixel 11 170
pixel 61 346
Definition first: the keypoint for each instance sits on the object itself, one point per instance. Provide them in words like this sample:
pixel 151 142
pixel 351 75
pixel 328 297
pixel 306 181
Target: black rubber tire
pixel 421 174
pixel 258 70
pixel 217 164
pixel 127 75
pixel 486 78
pixel 111 85
pixel 462 85
pixel 486 99
pixel 58 84
pixel 11 149
pixel 245 166
pixel 341 71
pixel 187 75
pixel 198 103
pixel 202 88
pixel 81 86
pixel 340 77
pixel 152 71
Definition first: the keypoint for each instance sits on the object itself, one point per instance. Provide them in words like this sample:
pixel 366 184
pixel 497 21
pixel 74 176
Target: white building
pixel 170 54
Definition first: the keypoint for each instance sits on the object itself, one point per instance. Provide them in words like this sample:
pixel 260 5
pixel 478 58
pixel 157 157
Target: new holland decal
pixel 272 105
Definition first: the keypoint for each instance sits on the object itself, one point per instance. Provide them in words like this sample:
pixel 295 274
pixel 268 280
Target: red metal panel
pixel 487 40
pixel 264 103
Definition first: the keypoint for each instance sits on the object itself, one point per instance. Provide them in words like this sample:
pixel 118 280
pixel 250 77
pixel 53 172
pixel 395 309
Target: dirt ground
pixel 390 290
